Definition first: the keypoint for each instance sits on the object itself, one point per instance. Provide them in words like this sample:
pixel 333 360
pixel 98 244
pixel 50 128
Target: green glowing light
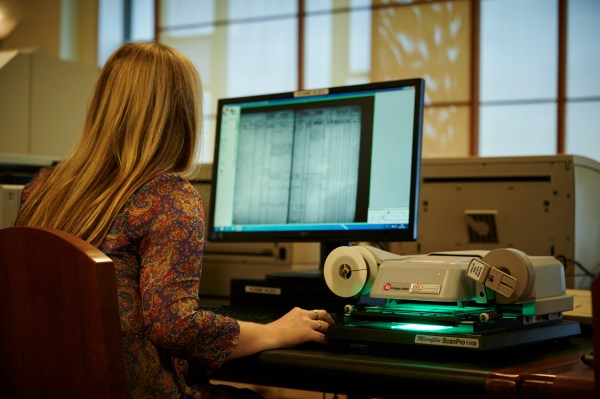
pixel 418 327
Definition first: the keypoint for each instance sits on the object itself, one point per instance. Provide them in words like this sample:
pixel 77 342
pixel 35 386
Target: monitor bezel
pixel 321 236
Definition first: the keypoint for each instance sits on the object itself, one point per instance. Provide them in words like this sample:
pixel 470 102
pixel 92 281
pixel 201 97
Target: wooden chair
pixel 60 333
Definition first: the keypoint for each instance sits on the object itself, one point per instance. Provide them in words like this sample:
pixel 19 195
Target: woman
pixel 123 190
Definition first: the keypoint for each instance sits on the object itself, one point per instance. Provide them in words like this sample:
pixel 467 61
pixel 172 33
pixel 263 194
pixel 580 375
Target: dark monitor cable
pixel 564 260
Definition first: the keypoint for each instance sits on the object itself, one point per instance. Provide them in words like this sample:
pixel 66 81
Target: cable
pixel 579 265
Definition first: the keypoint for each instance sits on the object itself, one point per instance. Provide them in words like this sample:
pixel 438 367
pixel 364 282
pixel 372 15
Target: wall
pixel 47 71
pixel 66 29
pixel 38 25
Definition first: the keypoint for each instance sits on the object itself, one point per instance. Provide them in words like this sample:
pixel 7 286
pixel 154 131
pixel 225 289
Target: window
pixel 430 40
pixel 583 85
pixel 518 83
pixel 123 21
pixel 240 47
pixel 492 67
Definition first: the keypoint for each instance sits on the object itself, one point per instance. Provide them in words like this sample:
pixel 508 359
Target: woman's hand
pixel 299 326
pixel 296 327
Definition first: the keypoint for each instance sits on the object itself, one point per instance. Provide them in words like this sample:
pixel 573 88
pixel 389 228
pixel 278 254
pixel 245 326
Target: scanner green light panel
pixel 419 327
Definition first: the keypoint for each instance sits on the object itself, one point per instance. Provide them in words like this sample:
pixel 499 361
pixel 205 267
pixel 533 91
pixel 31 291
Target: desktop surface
pixel 372 371
pixel 557 368
pixel 582 307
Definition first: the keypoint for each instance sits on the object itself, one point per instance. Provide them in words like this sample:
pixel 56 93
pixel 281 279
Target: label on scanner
pixel 445 340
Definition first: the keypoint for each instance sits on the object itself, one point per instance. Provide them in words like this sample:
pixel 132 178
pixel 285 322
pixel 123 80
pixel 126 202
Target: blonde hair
pixel 142 120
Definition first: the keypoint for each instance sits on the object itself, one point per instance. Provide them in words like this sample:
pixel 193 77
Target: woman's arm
pixel 296 327
pixel 170 275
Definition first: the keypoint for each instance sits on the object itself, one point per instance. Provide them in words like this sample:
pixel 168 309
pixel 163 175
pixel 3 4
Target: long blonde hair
pixel 142 120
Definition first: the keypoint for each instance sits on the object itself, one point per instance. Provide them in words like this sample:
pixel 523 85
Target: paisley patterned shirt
pixel 156 243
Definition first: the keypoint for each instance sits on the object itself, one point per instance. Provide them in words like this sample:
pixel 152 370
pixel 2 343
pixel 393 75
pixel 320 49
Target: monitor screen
pixel 334 165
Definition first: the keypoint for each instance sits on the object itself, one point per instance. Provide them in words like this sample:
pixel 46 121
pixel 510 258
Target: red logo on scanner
pixel 387 286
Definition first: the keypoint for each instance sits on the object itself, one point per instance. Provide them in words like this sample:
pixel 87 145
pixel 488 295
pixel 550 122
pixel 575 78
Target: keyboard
pixel 255 314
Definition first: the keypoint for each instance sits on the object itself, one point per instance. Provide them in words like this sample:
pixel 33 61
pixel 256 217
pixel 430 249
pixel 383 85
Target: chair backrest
pixel 60 333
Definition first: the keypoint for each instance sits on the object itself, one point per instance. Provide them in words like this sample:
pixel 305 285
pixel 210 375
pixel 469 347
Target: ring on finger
pixel 316 314
pixel 319 326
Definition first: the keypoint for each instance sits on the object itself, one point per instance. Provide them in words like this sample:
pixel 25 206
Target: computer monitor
pixel 333 166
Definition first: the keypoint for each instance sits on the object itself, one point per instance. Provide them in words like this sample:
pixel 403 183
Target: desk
pixel 362 371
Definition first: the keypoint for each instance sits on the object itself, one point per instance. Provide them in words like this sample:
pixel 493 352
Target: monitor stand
pixel 309 275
